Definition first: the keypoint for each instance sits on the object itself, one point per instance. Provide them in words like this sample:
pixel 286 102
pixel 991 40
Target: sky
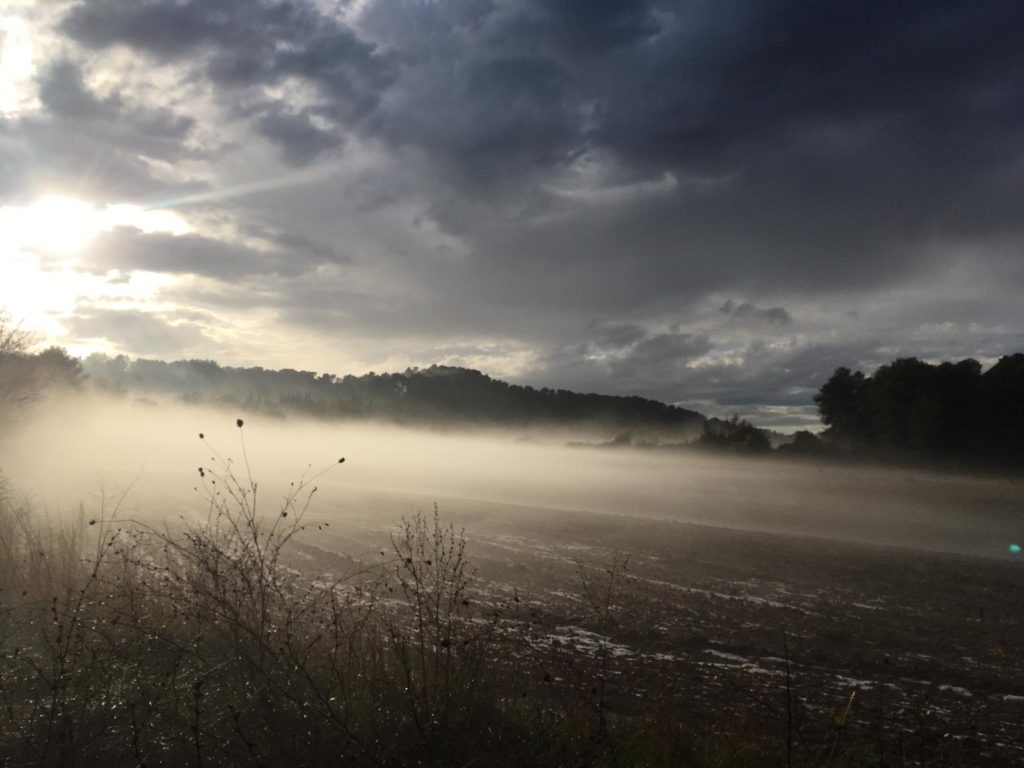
pixel 708 202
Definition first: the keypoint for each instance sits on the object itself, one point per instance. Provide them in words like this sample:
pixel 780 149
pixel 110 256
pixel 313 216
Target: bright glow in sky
pixel 62 225
pixel 39 281
pixel 16 63
pixel 40 296
pixel 516 191
pixel 52 225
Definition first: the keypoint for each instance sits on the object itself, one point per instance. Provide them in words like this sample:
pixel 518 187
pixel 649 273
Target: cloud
pixel 128 249
pixel 748 313
pixel 617 194
pixel 293 242
pixel 300 140
pixel 625 357
pixel 246 48
pixel 680 199
pixel 151 132
pixel 138 333
pixel 841 146
pixel 104 146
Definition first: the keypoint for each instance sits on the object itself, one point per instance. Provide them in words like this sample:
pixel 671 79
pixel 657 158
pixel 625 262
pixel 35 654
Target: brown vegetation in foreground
pixel 124 644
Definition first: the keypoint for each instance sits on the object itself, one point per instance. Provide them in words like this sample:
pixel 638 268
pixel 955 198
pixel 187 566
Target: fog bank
pixel 88 448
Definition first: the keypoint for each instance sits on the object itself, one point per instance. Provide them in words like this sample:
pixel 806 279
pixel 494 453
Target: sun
pixel 58 225
pixel 63 226
pixel 42 248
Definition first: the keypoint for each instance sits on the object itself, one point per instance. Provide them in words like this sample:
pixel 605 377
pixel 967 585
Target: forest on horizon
pixel 906 410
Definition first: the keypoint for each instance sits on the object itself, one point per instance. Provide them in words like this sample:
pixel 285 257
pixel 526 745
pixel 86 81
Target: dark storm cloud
pixel 817 147
pixel 726 83
pixel 618 335
pixel 514 113
pixel 659 357
pixel 243 44
pixel 603 163
pixel 589 28
pixel 300 140
pixel 626 358
pixel 677 367
pixel 748 313
pixel 721 369
pixel 852 131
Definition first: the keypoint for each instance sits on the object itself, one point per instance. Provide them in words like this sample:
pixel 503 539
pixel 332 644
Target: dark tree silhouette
pixel 804 445
pixel 25 377
pixel 734 435
pixel 17 385
pixel 439 393
pixel 915 409
pixel 1002 405
pixel 840 404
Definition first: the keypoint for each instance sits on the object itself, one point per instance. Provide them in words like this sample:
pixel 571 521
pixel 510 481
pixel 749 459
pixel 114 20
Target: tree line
pixel 440 393
pixel 26 375
pixel 913 409
pixel 906 410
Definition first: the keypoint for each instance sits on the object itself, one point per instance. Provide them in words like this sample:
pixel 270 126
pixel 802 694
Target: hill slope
pixel 435 394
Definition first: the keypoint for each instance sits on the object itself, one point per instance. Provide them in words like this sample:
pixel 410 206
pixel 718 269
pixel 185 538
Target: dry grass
pixel 122 644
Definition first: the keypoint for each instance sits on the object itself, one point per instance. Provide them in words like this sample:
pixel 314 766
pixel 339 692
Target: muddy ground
pixel 916 657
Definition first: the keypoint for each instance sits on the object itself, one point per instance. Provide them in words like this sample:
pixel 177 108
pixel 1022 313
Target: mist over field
pixel 80 449
pixel 511 383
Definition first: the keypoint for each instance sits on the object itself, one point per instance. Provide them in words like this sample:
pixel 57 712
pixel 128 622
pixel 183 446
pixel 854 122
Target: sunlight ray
pixel 282 181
